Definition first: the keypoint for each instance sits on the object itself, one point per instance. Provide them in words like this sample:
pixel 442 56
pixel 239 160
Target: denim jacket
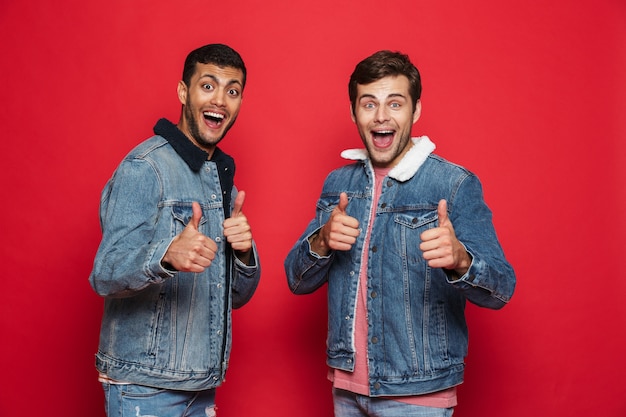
pixel 160 327
pixel 417 334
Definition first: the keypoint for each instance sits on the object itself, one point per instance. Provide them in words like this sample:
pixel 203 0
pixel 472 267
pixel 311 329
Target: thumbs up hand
pixel 339 232
pixel 236 228
pixel 191 251
pixel 440 246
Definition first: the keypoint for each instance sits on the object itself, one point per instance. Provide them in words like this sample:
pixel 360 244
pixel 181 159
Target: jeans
pixel 349 404
pixel 139 401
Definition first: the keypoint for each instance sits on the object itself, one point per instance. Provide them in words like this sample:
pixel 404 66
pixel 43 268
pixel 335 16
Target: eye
pixel 395 105
pixel 207 86
pixel 369 105
pixel 234 92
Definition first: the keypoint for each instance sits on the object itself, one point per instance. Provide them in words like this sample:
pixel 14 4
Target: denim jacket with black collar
pixel 160 327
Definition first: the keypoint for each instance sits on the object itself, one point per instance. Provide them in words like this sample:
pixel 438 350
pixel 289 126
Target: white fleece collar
pixel 410 163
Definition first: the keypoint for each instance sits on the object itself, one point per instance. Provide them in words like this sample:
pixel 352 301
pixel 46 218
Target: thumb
pixel 442 213
pixel 343 203
pixel 197 215
pixel 241 196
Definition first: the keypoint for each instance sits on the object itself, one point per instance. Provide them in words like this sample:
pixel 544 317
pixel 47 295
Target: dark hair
pixel 382 64
pixel 216 54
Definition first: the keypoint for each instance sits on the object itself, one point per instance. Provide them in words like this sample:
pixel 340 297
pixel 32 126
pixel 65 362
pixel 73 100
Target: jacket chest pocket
pixel 328 201
pixel 408 227
pixel 182 215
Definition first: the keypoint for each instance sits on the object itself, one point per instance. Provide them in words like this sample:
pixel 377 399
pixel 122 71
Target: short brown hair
pixel 382 64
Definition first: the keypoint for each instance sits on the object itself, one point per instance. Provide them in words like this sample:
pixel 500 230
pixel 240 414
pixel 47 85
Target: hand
pixel 191 251
pixel 339 232
pixel 236 227
pixel 441 248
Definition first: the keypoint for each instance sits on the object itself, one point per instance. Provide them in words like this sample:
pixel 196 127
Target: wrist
pixel 318 245
pixel 464 264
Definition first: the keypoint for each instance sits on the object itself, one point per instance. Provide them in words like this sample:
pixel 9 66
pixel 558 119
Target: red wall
pixel 529 95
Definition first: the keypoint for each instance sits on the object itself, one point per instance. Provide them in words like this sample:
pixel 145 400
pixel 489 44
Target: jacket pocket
pixel 156 326
pixel 409 227
pixel 182 213
pixel 441 334
pixel 327 203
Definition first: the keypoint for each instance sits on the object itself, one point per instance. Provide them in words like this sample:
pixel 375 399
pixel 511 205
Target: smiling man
pixel 403 238
pixel 177 253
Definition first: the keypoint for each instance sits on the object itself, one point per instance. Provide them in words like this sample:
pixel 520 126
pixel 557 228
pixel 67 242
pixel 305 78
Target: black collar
pixel 195 157
pixel 191 154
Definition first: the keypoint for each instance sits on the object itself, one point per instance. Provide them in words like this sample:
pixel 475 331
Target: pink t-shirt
pixel 357 381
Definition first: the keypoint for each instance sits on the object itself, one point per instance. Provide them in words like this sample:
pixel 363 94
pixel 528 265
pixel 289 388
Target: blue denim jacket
pixel 417 334
pixel 160 327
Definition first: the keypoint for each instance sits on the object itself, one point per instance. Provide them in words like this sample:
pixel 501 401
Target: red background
pixel 528 95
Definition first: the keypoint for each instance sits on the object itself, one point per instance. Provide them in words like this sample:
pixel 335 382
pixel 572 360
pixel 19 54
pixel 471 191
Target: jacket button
pixel 374 249
pixel 374 340
pixel 383 205
pixel 377 385
pixel 374 294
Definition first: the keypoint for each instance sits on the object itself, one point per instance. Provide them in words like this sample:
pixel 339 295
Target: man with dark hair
pixel 403 238
pixel 177 253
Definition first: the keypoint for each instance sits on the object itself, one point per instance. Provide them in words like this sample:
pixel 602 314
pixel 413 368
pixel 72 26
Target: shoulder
pixel 349 169
pixel 154 155
pixel 147 147
pixel 437 162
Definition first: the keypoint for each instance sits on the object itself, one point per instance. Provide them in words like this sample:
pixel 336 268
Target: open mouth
pixel 213 119
pixel 383 138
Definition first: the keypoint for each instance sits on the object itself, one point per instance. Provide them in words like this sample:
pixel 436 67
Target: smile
pixel 383 133
pixel 213 117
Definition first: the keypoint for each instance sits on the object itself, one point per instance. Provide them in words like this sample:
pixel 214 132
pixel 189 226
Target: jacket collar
pixel 410 163
pixel 190 153
pixel 196 157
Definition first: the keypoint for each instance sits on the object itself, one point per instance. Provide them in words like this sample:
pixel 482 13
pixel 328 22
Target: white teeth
pixel 214 115
pixel 384 132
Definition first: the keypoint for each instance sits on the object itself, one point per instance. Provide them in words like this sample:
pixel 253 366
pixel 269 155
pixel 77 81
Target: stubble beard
pixel 384 160
pixel 194 129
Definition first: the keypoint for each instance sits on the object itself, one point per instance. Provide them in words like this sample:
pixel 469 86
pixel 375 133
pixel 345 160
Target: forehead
pixel 224 75
pixel 389 86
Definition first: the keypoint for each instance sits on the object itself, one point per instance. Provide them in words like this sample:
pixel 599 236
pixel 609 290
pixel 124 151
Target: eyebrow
pixel 392 95
pixel 217 80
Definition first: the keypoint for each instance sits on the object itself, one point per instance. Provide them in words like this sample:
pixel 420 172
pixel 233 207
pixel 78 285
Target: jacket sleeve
pixel 306 270
pixel 245 278
pixel 490 280
pixel 129 256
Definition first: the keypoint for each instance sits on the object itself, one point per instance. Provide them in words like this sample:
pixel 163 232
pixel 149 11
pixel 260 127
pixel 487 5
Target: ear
pixel 182 92
pixel 352 113
pixel 418 111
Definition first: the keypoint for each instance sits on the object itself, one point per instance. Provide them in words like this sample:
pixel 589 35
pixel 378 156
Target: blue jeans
pixel 349 404
pixel 139 401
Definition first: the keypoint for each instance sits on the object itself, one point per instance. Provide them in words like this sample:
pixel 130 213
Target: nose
pixel 382 114
pixel 218 98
